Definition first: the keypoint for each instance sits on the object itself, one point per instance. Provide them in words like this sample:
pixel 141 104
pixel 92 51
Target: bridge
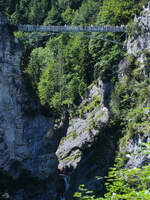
pixel 68 29
pixel 63 29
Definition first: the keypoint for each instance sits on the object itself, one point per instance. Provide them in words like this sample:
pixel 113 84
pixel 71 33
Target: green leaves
pixel 68 15
pixel 116 12
pixel 84 193
pixel 53 17
pixel 39 59
pixel 123 184
pixel 87 13
pixel 30 11
pixel 129 183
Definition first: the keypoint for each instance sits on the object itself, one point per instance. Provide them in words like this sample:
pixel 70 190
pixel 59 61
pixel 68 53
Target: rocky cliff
pixel 28 140
pixel 87 149
pixel 86 142
pixel 27 145
pixel 90 143
pixel 138 45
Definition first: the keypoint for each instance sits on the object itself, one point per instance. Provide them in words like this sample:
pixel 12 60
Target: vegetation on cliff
pixel 59 69
pixel 123 183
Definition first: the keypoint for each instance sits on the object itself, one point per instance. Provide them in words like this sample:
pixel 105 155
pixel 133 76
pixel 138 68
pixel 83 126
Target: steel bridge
pixel 65 28
pixel 68 29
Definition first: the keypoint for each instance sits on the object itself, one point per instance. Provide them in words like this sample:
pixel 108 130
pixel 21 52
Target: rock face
pixel 83 129
pixel 88 148
pixel 86 152
pixel 29 140
pixel 140 40
pixel 26 136
pixel 139 46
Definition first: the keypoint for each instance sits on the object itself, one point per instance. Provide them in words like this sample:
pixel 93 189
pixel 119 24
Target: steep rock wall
pixel 87 149
pixel 139 46
pixel 26 138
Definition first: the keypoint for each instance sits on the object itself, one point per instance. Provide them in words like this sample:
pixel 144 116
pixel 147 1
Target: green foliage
pixel 138 121
pixel 74 134
pixel 37 7
pixel 61 70
pixel 49 86
pixel 39 59
pixel 124 183
pixel 97 101
pixel 8 6
pixel 84 193
pixel 60 75
pixel 105 54
pixel 87 13
pixel 64 139
pixel 83 109
pixel 27 11
pixel 128 105
pixel 105 66
pixel 53 17
pixel 129 184
pixel 71 3
pixel 93 121
pixel 72 157
pixel 68 15
pixel 119 12
pixel 132 29
pixel 123 104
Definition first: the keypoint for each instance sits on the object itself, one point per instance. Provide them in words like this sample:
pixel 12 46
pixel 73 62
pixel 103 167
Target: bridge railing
pixel 67 29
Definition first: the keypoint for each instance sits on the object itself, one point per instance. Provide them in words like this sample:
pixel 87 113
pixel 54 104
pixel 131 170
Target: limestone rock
pixel 139 46
pixel 85 139
pixel 23 135
pixel 83 130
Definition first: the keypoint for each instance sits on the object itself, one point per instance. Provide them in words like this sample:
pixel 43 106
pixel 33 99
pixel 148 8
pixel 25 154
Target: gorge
pixel 45 153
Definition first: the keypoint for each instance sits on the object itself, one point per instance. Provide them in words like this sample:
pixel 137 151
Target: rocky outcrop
pixel 28 139
pixel 83 130
pixel 139 46
pixel 86 152
pixel 89 146
pixel 140 40
pixel 27 144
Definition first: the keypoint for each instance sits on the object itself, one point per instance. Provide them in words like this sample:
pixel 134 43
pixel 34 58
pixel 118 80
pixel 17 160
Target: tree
pixel 87 13
pixel 39 59
pixel 116 12
pixel 54 17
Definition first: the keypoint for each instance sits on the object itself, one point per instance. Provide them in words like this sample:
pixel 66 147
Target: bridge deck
pixel 67 29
